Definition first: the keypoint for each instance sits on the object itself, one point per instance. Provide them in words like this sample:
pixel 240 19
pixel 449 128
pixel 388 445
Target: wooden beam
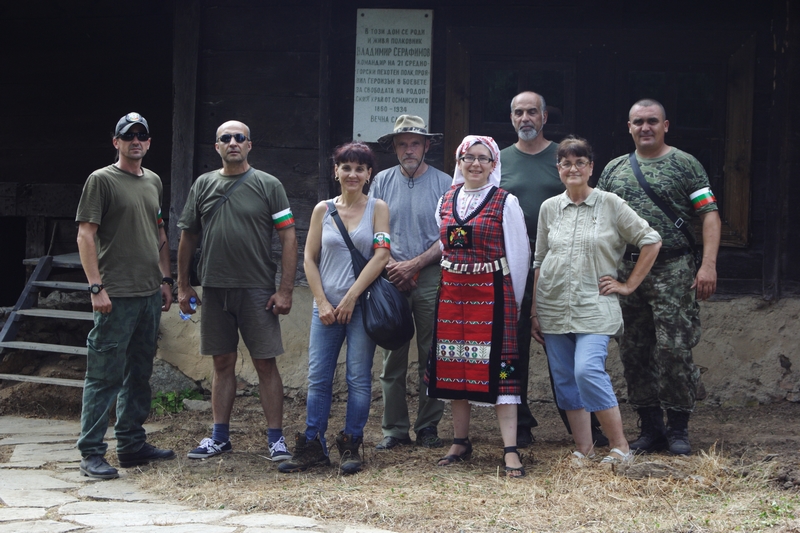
pixel 456 121
pixel 49 381
pixel 778 155
pixel 186 42
pixel 324 131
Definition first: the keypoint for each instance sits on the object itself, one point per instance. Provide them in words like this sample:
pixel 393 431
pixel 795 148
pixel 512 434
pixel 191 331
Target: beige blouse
pixel 576 245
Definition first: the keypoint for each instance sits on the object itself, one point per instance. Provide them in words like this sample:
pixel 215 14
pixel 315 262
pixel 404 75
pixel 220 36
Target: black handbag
pixel 386 313
pixel 194 268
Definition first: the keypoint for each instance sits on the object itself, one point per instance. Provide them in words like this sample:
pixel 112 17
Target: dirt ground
pixel 743 476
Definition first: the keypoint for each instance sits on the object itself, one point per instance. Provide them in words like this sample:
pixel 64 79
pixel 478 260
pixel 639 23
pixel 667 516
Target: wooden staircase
pixel 25 307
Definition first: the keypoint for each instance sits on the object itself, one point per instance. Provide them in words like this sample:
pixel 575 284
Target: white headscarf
pixel 466 144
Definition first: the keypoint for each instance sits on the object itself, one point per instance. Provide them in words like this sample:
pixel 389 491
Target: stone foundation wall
pixel 750 353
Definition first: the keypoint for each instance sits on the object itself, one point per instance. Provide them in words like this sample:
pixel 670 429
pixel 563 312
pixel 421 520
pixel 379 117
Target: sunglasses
pixel 130 135
pixel 239 137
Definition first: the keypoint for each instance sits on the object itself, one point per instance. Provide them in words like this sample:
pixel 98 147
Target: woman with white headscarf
pixel 485 261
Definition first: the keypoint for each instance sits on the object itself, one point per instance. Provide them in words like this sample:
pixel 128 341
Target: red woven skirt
pixel 474 352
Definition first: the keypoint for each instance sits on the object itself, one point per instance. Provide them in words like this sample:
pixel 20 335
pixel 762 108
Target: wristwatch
pixel 168 281
pixel 95 288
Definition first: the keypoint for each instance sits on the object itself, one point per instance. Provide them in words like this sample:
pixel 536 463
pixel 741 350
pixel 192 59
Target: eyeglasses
pixel 482 159
pixel 579 164
pixel 238 137
pixel 130 135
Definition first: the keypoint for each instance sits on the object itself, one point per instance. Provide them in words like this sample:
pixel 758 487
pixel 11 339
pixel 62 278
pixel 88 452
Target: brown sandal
pixel 457 458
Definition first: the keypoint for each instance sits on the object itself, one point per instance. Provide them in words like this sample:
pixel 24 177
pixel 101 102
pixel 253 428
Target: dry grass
pixel 402 490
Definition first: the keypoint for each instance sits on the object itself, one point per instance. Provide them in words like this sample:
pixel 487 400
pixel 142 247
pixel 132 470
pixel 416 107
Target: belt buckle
pixel 635 256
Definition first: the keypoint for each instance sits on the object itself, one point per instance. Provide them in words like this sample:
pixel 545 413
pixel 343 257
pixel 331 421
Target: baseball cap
pixel 129 120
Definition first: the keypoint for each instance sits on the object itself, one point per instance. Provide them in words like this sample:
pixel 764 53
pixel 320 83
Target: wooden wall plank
pixel 275 122
pixel 186 40
pixel 261 26
pixel 296 169
pixel 261 73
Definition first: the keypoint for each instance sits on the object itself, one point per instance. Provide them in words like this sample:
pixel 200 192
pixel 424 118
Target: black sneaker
pixel 307 453
pixel 209 448
pixel 429 438
pixel 146 454
pixel 96 466
pixel 524 437
pixel 390 442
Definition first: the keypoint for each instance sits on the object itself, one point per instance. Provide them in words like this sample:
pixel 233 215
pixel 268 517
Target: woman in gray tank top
pixel 337 315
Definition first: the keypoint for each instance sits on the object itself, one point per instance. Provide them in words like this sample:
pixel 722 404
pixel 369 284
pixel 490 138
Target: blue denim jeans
pixel 578 364
pixel 122 346
pixel 324 344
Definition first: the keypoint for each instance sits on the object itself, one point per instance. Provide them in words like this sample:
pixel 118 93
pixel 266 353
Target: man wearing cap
pixel 530 173
pixel 662 316
pixel 238 273
pixel 412 190
pixel 124 253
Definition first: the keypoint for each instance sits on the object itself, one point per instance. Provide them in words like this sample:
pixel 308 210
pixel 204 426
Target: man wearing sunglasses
pixel 124 253
pixel 237 272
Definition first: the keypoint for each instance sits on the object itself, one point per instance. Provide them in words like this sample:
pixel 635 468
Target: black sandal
pixel 457 458
pixel 510 470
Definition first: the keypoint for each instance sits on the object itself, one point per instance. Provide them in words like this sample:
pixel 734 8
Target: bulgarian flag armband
pixel 381 240
pixel 283 219
pixel 701 198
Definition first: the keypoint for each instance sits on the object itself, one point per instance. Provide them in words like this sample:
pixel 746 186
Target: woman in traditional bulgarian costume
pixel 485 261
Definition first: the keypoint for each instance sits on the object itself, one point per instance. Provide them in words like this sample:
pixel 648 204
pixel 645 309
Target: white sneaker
pixel 278 451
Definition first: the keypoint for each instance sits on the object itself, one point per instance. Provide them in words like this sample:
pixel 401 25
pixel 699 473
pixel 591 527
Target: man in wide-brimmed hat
pixel 412 190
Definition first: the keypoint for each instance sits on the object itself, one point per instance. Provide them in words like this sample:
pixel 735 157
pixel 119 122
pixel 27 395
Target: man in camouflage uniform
pixel 662 322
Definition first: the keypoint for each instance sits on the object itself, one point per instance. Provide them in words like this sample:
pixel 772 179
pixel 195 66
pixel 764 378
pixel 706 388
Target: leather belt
pixel 632 254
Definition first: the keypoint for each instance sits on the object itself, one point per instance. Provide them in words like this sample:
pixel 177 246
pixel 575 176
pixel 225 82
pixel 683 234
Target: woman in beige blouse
pixel 581 238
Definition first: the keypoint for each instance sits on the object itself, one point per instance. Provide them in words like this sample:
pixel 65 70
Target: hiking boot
pixel 96 467
pixel 678 432
pixel 278 451
pixel 390 442
pixel 209 448
pixel 348 450
pixel 429 438
pixel 307 453
pixel 524 437
pixel 146 454
pixel 653 433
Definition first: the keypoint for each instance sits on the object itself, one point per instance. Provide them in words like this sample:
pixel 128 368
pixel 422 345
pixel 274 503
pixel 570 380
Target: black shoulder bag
pixel 678 221
pixel 386 313
pixel 194 271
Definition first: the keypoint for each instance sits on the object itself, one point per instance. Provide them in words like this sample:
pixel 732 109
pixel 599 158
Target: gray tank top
pixel 335 265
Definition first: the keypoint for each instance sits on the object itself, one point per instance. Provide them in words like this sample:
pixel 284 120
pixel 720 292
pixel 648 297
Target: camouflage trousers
pixel 662 325
pixel 122 346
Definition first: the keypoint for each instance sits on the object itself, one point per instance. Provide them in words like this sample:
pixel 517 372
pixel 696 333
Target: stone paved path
pixel 56 499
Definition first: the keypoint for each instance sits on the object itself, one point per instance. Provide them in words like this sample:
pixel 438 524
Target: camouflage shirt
pixel 675 177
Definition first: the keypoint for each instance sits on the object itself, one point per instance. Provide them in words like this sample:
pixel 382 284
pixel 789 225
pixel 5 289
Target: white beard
pixel 528 135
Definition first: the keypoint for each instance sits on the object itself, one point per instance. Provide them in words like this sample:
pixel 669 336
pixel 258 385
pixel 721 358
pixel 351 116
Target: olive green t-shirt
pixel 532 179
pixel 127 209
pixel 237 241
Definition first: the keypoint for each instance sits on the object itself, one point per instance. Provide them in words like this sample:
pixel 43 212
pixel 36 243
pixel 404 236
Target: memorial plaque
pixel 393 69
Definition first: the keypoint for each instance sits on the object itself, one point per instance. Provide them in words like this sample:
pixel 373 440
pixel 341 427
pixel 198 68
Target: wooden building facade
pixel 724 71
